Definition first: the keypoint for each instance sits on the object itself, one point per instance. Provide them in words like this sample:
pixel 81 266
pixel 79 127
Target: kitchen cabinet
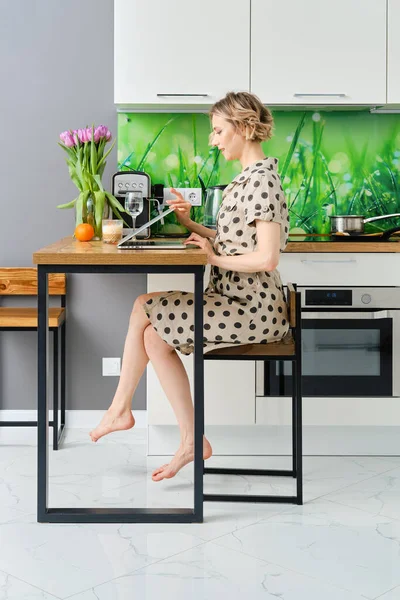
pixel 393 83
pixel 167 53
pixel 314 52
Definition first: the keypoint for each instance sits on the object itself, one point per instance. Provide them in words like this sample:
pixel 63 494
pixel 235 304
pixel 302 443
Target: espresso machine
pixel 135 181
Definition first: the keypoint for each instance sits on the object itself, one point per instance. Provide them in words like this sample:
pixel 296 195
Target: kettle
pixel 212 203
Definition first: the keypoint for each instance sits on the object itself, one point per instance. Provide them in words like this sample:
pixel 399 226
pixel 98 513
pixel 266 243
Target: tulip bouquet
pixel 86 161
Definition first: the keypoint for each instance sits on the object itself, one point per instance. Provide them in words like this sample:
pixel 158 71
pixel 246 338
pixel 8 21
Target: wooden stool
pixel 287 349
pixel 23 282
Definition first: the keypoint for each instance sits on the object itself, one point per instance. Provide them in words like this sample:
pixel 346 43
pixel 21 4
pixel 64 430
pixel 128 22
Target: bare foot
pixel 183 456
pixel 112 421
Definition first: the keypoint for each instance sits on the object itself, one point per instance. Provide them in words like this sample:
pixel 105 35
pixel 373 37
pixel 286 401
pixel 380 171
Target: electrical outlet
pixel 111 367
pixel 192 195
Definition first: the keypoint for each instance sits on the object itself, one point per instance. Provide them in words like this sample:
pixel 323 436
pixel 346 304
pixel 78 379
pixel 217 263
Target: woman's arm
pixel 265 258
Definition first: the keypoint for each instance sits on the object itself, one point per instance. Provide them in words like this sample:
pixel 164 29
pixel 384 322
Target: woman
pixel 244 300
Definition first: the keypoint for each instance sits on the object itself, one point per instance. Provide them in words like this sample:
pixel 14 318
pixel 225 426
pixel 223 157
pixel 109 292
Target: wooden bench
pixel 16 281
pixel 288 349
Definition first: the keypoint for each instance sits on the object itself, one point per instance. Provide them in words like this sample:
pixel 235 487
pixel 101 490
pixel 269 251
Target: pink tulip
pixel 67 139
pixel 97 134
pixel 108 135
pixel 88 134
pixel 105 131
pixel 82 135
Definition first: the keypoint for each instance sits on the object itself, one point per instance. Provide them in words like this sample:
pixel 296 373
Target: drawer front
pixel 352 269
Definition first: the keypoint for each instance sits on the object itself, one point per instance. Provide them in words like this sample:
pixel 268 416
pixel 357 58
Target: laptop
pixel 130 243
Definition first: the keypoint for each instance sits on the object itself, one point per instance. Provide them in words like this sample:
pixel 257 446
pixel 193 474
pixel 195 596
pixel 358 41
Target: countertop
pixel 315 243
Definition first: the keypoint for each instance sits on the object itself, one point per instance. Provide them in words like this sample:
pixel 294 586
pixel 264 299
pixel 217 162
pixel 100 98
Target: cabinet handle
pixel 327 95
pixel 184 95
pixel 341 262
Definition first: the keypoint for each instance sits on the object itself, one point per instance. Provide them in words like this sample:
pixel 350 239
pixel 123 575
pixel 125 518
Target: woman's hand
pixel 198 240
pixel 181 207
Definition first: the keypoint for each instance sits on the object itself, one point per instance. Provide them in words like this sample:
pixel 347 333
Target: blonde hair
pixel 247 114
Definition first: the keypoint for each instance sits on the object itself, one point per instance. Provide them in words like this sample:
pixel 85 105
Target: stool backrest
pixel 21 281
pixel 292 300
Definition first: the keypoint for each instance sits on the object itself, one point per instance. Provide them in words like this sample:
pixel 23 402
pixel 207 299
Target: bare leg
pixel 119 415
pixel 174 380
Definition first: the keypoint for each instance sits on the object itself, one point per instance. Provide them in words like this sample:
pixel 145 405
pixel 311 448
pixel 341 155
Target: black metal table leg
pixel 43 415
pixel 198 395
pixel 115 515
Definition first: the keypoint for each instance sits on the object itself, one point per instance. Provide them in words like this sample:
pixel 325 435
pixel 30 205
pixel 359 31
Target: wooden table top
pixel 69 251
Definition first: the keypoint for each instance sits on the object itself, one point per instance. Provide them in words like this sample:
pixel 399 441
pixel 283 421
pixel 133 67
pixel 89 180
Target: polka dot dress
pixel 239 308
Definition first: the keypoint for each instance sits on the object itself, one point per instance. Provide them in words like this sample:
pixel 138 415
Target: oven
pixel 350 343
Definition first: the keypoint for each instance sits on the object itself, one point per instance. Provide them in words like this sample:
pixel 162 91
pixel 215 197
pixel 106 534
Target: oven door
pixel 344 354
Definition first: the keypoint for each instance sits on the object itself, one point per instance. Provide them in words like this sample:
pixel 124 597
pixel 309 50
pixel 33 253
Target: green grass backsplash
pixel 344 162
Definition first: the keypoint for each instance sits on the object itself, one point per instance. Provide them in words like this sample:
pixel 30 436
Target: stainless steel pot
pixel 354 223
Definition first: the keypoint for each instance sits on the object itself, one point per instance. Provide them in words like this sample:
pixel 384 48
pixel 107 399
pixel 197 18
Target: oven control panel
pixel 386 298
pixel 325 297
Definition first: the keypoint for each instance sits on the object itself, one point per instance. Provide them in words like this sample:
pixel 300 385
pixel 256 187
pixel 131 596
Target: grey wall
pixel 56 73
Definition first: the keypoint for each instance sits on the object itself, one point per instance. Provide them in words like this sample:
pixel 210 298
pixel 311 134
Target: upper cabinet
pixel 177 52
pixel 319 52
pixel 393 88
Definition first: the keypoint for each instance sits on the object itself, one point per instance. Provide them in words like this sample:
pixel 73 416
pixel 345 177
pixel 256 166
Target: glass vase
pixel 88 216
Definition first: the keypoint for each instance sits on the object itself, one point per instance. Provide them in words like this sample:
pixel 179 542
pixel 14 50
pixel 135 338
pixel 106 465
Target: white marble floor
pixel 342 544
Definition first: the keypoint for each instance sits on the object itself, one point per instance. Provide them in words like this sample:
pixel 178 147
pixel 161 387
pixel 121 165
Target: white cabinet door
pixel 340 269
pixel 175 52
pixel 229 386
pixel 393 88
pixel 319 52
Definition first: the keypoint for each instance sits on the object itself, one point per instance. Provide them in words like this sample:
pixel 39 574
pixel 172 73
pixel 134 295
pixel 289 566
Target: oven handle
pixel 378 314
pixel 341 262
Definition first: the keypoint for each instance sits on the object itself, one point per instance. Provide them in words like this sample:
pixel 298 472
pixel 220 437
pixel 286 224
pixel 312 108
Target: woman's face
pixel 227 138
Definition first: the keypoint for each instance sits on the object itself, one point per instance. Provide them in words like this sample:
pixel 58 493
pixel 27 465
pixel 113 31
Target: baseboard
pixel 75 419
pixel 270 440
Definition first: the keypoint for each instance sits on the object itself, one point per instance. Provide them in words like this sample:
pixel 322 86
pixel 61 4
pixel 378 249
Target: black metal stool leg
pixel 294 421
pixel 55 389
pixel 63 333
pixel 299 434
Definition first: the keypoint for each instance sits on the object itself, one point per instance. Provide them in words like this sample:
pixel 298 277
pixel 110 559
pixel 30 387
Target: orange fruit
pixel 84 232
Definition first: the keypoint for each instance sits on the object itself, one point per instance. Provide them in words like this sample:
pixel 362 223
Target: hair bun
pixel 247 113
